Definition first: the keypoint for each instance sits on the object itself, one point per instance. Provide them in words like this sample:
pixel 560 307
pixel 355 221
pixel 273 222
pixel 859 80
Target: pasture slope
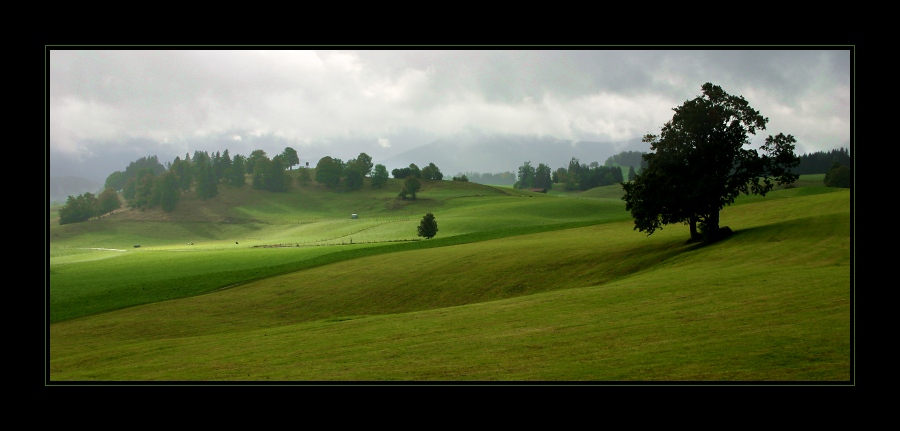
pixel 577 297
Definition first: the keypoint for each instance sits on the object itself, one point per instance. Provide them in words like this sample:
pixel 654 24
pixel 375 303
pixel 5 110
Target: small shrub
pixel 839 176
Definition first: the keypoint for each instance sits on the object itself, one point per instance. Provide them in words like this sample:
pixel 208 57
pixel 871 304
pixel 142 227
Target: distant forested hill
pixel 626 159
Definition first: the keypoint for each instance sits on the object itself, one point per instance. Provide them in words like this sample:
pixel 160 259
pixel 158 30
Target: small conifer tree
pixel 428 226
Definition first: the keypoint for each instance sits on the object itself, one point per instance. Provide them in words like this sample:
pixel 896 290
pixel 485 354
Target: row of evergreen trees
pixel 820 162
pixel 577 176
pixel 580 176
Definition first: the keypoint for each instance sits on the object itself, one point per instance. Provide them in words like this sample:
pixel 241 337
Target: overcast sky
pixel 110 107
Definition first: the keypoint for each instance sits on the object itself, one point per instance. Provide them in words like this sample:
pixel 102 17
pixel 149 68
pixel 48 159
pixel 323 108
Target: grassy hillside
pixel 518 288
pixel 243 235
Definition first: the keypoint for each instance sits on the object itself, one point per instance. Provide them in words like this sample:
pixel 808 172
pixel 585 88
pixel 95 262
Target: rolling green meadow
pixel 255 286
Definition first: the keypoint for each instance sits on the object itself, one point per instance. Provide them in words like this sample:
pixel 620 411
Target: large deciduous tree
pixel 432 172
pixel 411 186
pixel 401 173
pixel 526 176
pixel 700 163
pixel 353 179
pixel 109 201
pixel 543 177
pixel 270 174
pixel 152 163
pixel 328 171
pixel 362 164
pixel 116 181
pixel 380 176
pixel 250 161
pixel 291 158
pixel 415 171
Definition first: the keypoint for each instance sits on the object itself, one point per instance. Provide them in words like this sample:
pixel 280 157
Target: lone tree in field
pixel 428 226
pixel 700 165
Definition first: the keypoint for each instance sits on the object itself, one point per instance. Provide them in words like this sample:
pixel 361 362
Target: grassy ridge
pixel 599 302
pixel 94 268
pixel 96 284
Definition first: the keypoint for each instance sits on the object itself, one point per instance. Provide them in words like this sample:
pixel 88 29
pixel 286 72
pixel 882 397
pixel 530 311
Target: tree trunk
pixel 711 227
pixel 695 236
pixel 712 222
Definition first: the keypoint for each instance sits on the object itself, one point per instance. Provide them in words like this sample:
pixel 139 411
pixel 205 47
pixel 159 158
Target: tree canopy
pixel 78 208
pixel 362 164
pixel 234 174
pixel 525 177
pixel 328 171
pixel 250 161
pixel 428 226
pixel 118 179
pixel 839 176
pixel 699 164
pixel 270 175
pixel 84 206
pixel 290 158
pixel 432 172
pixel 380 176
pixel 411 186
pixel 205 176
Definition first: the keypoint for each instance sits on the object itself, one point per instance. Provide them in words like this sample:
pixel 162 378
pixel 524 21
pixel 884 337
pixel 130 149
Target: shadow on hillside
pixel 398 204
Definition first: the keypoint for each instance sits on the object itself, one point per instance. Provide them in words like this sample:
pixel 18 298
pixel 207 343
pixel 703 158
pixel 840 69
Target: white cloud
pixel 75 121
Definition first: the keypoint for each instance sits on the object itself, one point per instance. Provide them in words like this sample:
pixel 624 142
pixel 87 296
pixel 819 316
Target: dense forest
pixel 821 162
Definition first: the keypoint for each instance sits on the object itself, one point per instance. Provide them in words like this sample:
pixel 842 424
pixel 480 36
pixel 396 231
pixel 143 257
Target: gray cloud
pixel 110 107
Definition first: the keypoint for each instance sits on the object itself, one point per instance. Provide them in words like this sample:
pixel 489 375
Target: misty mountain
pixel 60 188
pixel 505 153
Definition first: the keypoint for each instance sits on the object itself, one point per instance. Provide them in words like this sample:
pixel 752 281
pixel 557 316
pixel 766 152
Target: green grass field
pixel 516 286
